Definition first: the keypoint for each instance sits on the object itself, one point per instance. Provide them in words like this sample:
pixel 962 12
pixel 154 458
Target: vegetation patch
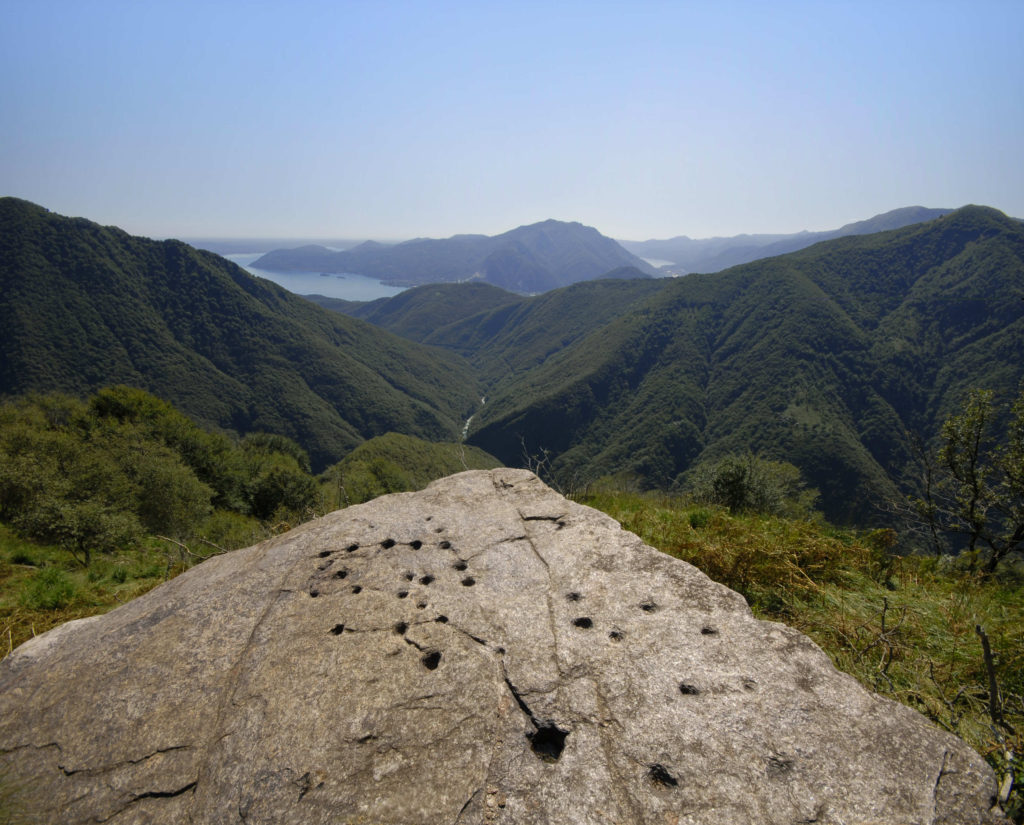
pixel 905 627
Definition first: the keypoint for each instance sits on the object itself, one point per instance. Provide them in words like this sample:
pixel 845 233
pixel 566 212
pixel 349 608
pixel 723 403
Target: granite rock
pixel 483 651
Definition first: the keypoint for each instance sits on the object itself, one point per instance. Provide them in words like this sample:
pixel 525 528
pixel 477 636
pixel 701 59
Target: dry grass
pixel 904 627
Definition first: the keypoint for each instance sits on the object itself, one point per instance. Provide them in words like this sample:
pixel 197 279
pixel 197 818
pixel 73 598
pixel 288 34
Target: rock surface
pixel 483 651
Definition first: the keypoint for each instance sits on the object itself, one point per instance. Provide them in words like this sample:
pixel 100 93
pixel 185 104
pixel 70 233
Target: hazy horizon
pixel 393 121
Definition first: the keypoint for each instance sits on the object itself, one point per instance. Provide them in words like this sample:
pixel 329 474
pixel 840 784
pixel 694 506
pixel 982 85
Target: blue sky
pixel 402 119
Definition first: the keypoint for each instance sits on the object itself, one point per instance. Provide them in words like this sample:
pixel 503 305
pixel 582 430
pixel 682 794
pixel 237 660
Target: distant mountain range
pixel 529 259
pixel 715 254
pixel 833 357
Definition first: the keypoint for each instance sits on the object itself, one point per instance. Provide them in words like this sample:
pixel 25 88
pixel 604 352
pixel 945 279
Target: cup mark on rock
pixel 660 776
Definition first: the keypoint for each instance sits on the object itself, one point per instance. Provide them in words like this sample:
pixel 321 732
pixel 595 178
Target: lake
pixel 348 287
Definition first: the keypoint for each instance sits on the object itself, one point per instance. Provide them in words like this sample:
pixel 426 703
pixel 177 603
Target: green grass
pixel 41 586
pixel 903 627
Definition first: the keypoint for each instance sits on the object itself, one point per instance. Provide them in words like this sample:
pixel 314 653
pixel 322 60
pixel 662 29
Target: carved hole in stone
pixel 416 545
pixel 659 775
pixel 441 620
pixel 341 574
pixel 460 565
pixel 352 548
pixel 501 651
pixel 431 660
pixel 314 593
pixel 688 690
pixel 584 622
pixel 615 635
pixel 387 544
pixel 445 545
pixel 408 576
pixel 709 631
pixel 357 589
pixel 777 766
pixel 338 629
pixel 426 579
pixel 648 606
pixel 420 605
pixel 400 628
pixel 438 529
pixel 324 554
pixel 403 593
pixel 749 684
pixel 364 739
pixel 573 597
pixel 469 581
pixel 548 741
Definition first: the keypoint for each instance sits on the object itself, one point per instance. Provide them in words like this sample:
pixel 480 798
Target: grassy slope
pixel 901 626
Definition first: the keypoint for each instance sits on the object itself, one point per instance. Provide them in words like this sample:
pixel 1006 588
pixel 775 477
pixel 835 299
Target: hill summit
pixel 532 258
pixel 483 651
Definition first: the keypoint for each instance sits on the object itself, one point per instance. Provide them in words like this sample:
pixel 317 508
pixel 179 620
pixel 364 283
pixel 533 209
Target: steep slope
pixel 84 306
pixel 528 259
pixel 825 358
pixel 716 254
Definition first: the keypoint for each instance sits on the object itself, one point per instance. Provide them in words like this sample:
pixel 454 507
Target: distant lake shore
pixel 348 286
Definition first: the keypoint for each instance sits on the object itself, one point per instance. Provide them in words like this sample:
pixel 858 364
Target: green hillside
pixel 827 358
pixel 394 463
pixel 84 306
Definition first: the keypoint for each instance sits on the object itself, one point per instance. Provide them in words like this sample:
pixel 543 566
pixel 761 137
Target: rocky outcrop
pixel 483 651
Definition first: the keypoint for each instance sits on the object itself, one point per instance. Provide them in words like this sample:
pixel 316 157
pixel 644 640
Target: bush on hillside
pixel 751 484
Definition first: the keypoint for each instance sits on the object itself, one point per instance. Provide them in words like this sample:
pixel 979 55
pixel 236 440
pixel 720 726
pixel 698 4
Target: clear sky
pixel 401 119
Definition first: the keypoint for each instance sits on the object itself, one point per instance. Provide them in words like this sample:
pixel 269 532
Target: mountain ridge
pixel 84 306
pixel 709 255
pixel 528 259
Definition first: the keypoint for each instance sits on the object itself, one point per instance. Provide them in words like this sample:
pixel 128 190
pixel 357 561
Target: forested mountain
pixel 84 306
pixel 828 358
pixel 825 358
pixel 716 254
pixel 529 259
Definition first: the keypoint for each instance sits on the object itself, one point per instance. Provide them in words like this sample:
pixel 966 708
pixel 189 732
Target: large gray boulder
pixel 484 651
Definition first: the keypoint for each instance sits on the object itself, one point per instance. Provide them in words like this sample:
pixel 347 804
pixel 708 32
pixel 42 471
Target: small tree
pixel 749 483
pixel 976 486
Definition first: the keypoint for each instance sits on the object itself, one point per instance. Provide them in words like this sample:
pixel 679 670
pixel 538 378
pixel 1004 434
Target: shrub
pixel 751 484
